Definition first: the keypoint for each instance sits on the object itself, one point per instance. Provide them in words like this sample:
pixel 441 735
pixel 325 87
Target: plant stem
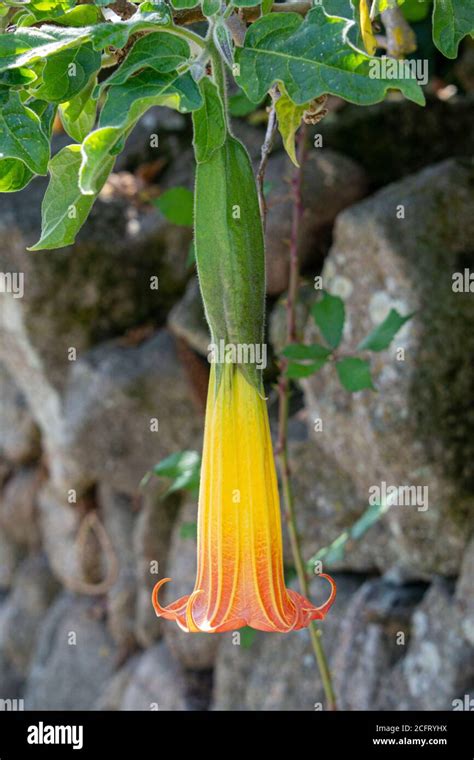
pixel 265 154
pixel 282 445
pixel 219 75
pixel 186 34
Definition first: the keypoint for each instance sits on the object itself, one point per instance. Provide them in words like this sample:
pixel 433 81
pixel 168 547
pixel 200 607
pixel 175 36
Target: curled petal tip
pixel 191 624
pixel 157 606
pixel 324 608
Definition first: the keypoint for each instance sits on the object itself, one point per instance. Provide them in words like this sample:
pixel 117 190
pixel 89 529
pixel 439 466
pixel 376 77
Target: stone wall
pixel 102 376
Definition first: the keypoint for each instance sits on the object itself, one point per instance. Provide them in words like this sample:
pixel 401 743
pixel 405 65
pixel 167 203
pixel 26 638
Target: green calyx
pixel 229 239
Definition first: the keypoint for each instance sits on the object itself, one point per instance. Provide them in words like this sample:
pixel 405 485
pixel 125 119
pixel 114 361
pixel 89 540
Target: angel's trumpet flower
pixel 240 558
pixel 239 554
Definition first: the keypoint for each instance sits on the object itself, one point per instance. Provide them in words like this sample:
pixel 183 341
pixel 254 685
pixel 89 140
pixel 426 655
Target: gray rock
pixel 326 508
pixel 19 437
pixel 59 525
pixel 156 683
pixel 253 138
pixel 426 135
pixel 33 590
pixel 91 291
pixel 95 290
pixel 163 122
pixel 119 516
pixel 18 511
pixel 439 665
pixel 390 646
pixel 331 182
pixel 465 593
pixel 278 317
pixel 278 671
pixel 117 394
pixel 196 651
pixel 9 558
pixel 116 397
pixel 75 656
pixel 186 319
pixel 151 541
pixel 11 680
pixel 373 635
pixel 112 695
pixel 418 429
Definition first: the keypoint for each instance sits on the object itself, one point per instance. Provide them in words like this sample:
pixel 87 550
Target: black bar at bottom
pixel 218 734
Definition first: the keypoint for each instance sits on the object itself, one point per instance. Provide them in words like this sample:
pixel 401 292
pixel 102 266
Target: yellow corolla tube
pixel 239 578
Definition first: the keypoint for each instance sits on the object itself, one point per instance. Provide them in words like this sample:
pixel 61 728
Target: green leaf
pixel 329 315
pixel 416 10
pixel 24 146
pixel 81 15
pixel 46 112
pixel 382 335
pixel 371 515
pixel 177 205
pixel 188 530
pixel 61 13
pixel 14 175
pixel 222 39
pixel 160 51
pixel 183 468
pixel 18 78
pixel 336 551
pixel 18 175
pixel 26 46
pixel 452 21
pixel 78 114
pixel 312 57
pixel 177 463
pixel 299 352
pixel 124 105
pixel 354 374
pixel 186 481
pixel 341 8
pixel 184 4
pixel 267 6
pixel 331 554
pixel 209 122
pixel 65 209
pixel 289 117
pixel 118 33
pixel 296 371
pixel 247 636
pixel 210 7
pixel 240 105
pixel 29 45
pixel 67 73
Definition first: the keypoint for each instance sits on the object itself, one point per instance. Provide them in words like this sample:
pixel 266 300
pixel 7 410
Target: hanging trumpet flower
pixel 240 557
pixel 240 560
